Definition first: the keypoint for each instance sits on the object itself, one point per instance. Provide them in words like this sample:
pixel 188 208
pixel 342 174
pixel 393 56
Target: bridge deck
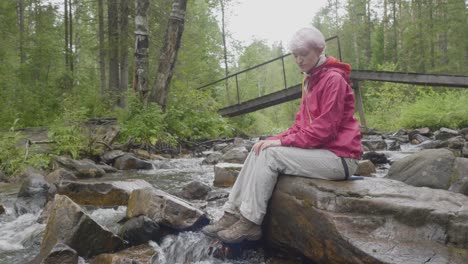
pixel 294 92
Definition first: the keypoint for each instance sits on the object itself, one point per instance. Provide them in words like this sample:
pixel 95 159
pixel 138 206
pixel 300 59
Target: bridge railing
pixel 235 77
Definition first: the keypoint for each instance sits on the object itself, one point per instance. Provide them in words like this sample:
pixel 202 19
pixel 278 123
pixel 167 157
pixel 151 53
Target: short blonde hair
pixel 307 38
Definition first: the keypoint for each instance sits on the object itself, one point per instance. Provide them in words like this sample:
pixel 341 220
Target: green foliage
pixel 68 130
pixel 436 109
pixel 192 115
pixel 145 125
pixel 13 157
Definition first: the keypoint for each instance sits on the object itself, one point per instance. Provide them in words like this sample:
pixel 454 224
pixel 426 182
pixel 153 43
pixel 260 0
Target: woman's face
pixel 306 58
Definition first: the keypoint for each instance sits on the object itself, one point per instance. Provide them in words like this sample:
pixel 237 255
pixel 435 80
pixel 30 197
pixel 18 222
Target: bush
pixel 67 129
pixel 436 109
pixel 145 125
pixel 13 158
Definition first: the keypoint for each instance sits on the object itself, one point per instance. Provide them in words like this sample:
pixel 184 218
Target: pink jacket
pixel 330 101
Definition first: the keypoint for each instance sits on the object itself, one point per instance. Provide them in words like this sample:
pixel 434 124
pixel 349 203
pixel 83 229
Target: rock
pixel 460 176
pixel 142 254
pixel 226 174
pixel 456 142
pixel 374 144
pixel 109 157
pixel 59 175
pixel 130 162
pixel 2 209
pixel 33 194
pixel 465 150
pixel 212 158
pixel 70 225
pixel 376 158
pixel 425 131
pixel 415 136
pixel 101 193
pixel 81 168
pixel 365 168
pixel 61 254
pixel 195 190
pixel 164 209
pixel 139 230
pixel 373 220
pixel 445 133
pixel 217 195
pixel 464 132
pixel 220 146
pixel 429 168
pixel 430 144
pixel 147 155
pixel 107 168
pixel 235 155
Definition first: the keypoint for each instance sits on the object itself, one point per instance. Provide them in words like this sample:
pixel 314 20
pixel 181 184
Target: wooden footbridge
pixel 292 92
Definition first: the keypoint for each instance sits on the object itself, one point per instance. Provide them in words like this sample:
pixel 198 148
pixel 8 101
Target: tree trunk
pixel 223 26
pixel 140 75
pixel 65 13
pixel 70 43
pixel 113 24
pixel 168 57
pixel 124 13
pixel 102 49
pixel 20 16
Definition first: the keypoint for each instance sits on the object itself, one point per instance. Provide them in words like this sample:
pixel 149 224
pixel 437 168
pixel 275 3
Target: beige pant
pixel 257 179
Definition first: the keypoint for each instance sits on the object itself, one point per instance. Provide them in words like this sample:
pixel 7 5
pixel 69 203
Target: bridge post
pixel 359 103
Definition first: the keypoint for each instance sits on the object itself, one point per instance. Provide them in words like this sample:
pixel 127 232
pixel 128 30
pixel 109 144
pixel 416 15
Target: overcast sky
pixel 272 20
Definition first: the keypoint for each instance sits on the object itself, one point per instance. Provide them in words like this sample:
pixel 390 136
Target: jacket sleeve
pixel 325 126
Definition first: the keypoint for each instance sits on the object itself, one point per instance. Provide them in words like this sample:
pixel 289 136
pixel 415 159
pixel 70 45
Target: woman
pixel 323 143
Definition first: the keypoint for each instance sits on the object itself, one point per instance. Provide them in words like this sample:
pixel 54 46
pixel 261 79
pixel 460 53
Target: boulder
pixel 81 168
pixel 460 176
pixel 365 168
pixel 33 194
pixel 142 254
pixel 194 190
pixel 130 162
pixel 374 143
pixel 456 142
pixel 465 150
pixel 68 224
pixel 101 193
pixel 139 230
pixel 373 220
pixel 430 168
pixel 59 175
pixel 376 158
pixel 235 155
pixel 2 209
pixel 445 133
pixel 226 174
pixel 164 209
pixel 212 158
pixel 61 254
pixel 109 157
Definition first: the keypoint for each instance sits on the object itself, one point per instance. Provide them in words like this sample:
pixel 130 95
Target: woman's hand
pixel 263 144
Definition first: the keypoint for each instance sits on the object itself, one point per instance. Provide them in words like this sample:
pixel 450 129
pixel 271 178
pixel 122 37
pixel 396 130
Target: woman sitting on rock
pixel 323 143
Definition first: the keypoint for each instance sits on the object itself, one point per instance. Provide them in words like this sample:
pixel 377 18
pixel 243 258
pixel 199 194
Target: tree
pixel 113 35
pixel 140 75
pixel 102 48
pixel 168 56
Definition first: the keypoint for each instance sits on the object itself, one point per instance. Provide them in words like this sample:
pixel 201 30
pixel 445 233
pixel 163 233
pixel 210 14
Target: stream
pixel 20 237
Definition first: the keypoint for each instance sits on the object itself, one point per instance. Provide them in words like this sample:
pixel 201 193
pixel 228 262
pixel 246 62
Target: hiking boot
pixel 240 231
pixel 226 221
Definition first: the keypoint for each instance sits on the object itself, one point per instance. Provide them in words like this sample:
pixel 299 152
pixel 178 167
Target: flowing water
pixel 20 237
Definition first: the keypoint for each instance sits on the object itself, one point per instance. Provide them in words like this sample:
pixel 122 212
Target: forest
pixel 63 62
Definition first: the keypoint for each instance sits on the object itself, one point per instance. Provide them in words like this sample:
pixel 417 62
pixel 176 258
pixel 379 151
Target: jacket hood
pixel 334 64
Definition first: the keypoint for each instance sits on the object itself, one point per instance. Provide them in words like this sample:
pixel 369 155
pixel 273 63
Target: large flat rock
pixel 372 220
